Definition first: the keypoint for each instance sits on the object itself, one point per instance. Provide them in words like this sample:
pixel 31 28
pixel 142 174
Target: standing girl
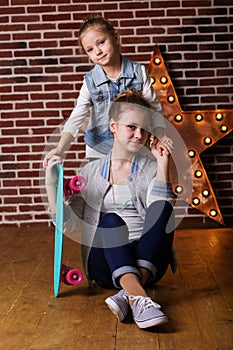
pixel 126 213
pixel 112 74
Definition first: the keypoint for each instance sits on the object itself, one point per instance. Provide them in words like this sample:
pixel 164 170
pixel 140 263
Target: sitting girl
pixel 125 211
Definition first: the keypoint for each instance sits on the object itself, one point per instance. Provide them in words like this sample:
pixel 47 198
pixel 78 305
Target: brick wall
pixel 42 71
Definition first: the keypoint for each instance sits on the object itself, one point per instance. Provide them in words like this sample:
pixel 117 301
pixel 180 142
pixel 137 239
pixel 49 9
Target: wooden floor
pixel 198 299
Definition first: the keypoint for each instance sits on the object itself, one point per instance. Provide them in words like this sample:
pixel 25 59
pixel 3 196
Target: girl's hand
pixel 48 157
pixel 162 155
pixel 164 146
pixel 51 170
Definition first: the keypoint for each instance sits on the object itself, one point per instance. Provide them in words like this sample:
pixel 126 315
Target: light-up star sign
pixel 199 130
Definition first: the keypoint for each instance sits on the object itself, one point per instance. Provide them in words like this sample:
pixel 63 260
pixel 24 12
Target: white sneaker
pixel 147 313
pixel 119 304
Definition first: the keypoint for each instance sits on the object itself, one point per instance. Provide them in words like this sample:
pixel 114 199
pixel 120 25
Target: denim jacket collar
pixel 127 71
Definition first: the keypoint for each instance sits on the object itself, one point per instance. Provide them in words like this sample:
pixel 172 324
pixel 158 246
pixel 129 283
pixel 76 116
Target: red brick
pixel 6 124
pixel 55 2
pixel 57 35
pixel 35 44
pixel 7 175
pixel 165 4
pixel 25 2
pixel 29 88
pixel 29 208
pixel 8 192
pixel 6 140
pixel 10 10
pixel 29 191
pixel 8 209
pixel 25 19
pixel 15 200
pixel 134 5
pixel 14 97
pixel 6 37
pixel 14 131
pixel 5 89
pixel 137 23
pixel 6 71
pixel 43 96
pixel 102 7
pixel 18 217
pixel 196 3
pixel 72 8
pixel 29 105
pixel 29 53
pixel 6 106
pixel 42 26
pixel 40 9
pixel 15 149
pixel 12 27
pixel 56 17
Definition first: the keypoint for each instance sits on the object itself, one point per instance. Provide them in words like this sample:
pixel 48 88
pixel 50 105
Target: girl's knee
pixel 112 220
pixel 161 206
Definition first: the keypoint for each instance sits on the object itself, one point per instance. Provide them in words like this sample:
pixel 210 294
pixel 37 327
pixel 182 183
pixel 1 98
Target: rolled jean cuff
pixel 122 271
pixel 149 266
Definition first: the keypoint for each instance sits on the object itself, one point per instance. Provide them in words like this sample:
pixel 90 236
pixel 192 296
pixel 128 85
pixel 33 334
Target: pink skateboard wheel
pixel 74 276
pixel 77 183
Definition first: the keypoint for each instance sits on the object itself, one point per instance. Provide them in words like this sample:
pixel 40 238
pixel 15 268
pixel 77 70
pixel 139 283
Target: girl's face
pixel 131 130
pixel 101 47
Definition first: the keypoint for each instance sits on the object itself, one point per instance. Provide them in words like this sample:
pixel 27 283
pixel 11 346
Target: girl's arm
pixel 79 113
pixel 73 124
pixel 149 93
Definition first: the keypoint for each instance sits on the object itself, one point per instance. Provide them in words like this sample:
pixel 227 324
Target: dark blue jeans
pixel 112 255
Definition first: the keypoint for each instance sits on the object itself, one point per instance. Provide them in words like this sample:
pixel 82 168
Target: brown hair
pixel 96 20
pixel 128 99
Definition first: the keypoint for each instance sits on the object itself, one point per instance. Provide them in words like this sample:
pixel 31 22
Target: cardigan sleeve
pixel 160 190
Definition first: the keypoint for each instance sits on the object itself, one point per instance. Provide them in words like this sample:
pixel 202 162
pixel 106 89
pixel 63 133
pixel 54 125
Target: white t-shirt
pixel 119 200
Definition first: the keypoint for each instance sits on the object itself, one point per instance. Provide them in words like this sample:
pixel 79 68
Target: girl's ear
pixel 112 125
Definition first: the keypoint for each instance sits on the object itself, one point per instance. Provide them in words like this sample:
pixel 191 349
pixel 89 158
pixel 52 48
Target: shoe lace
pixel 144 302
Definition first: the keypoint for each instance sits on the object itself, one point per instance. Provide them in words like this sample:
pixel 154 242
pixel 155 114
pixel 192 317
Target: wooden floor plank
pixel 197 299
pixel 210 309
pixel 217 252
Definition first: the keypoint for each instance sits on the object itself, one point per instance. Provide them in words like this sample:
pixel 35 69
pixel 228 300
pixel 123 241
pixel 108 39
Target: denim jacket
pixel 103 90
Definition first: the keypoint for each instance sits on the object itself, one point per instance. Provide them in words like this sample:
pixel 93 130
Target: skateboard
pixel 64 273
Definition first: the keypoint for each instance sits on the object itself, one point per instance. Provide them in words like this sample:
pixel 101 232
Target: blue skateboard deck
pixel 58 242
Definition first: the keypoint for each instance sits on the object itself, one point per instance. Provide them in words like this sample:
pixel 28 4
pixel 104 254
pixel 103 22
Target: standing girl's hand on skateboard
pixel 54 152
pixel 51 171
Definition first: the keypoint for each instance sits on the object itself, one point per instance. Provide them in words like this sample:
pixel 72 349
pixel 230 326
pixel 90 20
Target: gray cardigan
pixel 85 207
